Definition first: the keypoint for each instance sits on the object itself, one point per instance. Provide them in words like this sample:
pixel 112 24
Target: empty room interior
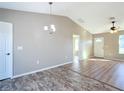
pixel 61 46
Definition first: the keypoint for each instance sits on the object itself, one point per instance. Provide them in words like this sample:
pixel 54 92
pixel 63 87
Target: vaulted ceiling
pixel 93 16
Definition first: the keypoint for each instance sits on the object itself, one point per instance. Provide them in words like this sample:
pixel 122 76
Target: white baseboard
pixel 117 60
pixel 39 70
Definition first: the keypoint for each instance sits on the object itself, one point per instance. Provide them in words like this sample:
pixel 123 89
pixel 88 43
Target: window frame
pixel 121 50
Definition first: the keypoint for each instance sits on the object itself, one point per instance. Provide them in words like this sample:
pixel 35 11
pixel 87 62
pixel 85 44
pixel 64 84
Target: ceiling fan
pixel 114 29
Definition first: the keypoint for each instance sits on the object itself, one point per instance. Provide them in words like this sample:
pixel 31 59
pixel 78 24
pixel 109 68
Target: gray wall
pixel 111 45
pixel 39 44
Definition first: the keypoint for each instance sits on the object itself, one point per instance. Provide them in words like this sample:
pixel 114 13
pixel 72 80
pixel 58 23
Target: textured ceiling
pixel 93 16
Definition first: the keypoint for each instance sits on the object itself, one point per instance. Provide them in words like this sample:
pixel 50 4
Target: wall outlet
pixel 38 62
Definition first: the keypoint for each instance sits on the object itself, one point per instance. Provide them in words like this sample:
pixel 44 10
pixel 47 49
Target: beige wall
pixel 111 45
pixel 39 45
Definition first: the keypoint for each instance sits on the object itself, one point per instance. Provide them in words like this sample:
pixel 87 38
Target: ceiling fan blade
pixel 120 28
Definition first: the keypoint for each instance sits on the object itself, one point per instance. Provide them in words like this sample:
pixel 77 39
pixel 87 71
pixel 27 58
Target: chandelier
pixel 51 27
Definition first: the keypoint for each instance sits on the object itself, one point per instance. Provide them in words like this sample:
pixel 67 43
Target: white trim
pixel 16 76
pixel 12 64
pixel 115 59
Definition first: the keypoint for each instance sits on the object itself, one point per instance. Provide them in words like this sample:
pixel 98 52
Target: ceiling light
pixel 113 28
pixel 51 27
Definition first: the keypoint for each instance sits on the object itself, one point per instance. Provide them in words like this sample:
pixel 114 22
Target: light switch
pixel 20 48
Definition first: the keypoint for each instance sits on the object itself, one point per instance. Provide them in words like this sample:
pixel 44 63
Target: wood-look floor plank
pixel 104 71
pixel 110 72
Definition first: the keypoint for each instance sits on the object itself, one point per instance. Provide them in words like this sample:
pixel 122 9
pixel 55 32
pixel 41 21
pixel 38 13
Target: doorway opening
pixel 99 47
pixel 76 40
pixel 6 50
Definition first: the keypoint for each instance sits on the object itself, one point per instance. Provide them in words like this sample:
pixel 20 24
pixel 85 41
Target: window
pixel 121 44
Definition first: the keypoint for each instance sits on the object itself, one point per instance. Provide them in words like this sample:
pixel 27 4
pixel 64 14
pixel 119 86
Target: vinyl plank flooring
pixel 90 75
pixel 107 71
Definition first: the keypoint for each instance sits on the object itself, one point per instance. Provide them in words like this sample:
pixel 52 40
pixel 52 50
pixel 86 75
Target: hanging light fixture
pixel 113 28
pixel 51 27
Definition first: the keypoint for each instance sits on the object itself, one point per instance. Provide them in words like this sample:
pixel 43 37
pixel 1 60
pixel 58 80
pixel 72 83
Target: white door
pixel 5 50
pixel 99 47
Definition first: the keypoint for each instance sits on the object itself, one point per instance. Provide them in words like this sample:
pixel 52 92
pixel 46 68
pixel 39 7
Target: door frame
pixel 12 64
pixel 10 73
pixel 103 46
pixel 76 36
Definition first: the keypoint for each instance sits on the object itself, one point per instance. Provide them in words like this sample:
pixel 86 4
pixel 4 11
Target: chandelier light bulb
pixel 53 27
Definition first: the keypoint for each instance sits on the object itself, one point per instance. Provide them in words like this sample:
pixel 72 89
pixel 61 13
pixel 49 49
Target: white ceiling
pixel 93 16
